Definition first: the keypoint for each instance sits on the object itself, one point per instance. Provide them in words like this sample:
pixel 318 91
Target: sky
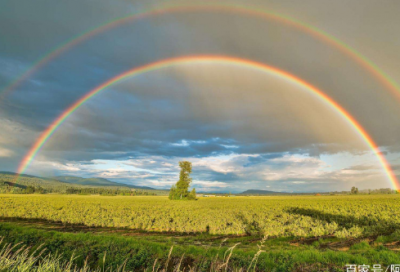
pixel 242 128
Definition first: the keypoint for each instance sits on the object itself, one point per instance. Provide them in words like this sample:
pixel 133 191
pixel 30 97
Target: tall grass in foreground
pixel 20 258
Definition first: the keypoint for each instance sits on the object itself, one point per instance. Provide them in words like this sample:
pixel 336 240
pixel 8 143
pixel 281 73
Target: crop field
pixel 284 233
pixel 298 216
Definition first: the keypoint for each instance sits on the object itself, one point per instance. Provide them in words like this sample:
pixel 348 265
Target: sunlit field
pixel 199 136
pixel 308 216
pixel 285 233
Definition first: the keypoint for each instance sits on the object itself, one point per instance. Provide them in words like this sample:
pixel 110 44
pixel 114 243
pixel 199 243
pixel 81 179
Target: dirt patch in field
pixel 340 245
pixel 318 267
pixel 200 238
pixel 393 245
pixel 309 240
pixel 67 227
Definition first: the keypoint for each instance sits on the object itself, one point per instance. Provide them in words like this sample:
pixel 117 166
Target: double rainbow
pixel 211 59
pixel 227 8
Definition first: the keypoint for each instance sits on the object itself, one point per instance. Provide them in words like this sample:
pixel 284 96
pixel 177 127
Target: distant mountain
pixel 29 180
pixel 262 192
pixel 96 182
pixel 63 181
pixel 14 174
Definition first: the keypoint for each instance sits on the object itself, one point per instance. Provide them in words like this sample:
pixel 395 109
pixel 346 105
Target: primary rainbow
pixel 306 28
pixel 202 59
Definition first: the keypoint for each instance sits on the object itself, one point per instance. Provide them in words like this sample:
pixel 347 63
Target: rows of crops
pixel 342 216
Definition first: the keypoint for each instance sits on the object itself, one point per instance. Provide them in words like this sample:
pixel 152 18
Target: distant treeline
pixel 106 192
pixel 355 191
pixel 379 191
pixel 35 185
pixel 12 188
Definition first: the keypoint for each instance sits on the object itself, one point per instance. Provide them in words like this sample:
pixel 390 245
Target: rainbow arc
pixel 308 29
pixel 44 137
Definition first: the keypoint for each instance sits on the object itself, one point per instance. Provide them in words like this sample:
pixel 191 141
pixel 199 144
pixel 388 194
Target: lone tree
pixel 354 190
pixel 181 189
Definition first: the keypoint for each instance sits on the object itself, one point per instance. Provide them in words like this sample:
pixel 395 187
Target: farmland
pixel 296 233
pixel 306 216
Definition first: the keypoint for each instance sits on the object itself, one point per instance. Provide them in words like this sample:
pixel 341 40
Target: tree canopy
pixel 354 190
pixel 181 189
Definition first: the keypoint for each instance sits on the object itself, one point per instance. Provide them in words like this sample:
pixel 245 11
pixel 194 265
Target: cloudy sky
pixel 241 128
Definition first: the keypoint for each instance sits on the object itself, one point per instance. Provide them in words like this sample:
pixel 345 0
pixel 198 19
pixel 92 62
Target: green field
pixel 299 216
pixel 296 233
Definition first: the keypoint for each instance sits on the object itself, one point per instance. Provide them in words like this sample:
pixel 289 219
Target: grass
pixel 22 258
pixel 285 216
pixel 137 233
pixel 111 251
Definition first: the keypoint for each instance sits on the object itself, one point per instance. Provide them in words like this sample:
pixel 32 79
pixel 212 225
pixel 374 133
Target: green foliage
pixel 302 216
pixel 34 185
pixel 192 195
pixel 108 192
pixel 9 188
pixel 354 190
pixel 180 191
pixel 172 192
pixel 59 251
pixel 361 246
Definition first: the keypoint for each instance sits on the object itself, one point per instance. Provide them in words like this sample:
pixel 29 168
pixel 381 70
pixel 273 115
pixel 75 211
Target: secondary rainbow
pixel 209 59
pixel 306 28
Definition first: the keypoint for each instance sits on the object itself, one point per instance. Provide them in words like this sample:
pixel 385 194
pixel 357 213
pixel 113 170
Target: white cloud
pixel 234 171
pixel 233 163
pixel 210 184
pixel 6 152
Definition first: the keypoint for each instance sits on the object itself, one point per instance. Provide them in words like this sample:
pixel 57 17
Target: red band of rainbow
pixel 389 83
pixel 210 59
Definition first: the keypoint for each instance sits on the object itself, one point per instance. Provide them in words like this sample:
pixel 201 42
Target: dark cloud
pixel 362 167
pixel 200 111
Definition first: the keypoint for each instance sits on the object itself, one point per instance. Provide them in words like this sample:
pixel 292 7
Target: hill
pixel 262 192
pixel 96 182
pixel 61 184
pixel 29 180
